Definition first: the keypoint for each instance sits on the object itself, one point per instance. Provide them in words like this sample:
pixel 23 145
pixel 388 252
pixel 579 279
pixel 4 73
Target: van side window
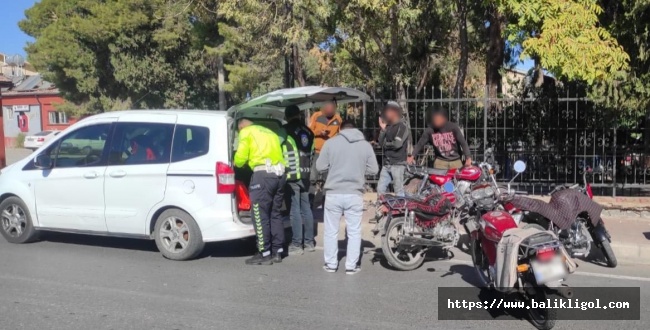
pixel 81 148
pixel 190 142
pixel 140 143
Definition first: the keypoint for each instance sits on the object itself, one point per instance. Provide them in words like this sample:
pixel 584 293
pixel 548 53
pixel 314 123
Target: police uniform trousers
pixel 267 193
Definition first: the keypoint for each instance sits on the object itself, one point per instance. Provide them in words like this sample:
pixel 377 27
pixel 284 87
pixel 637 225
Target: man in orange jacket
pixel 325 124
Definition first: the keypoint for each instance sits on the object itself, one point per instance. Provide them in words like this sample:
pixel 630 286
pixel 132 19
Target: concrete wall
pixel 37 116
pixel 20 120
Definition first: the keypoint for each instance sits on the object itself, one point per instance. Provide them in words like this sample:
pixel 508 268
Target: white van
pixel 151 174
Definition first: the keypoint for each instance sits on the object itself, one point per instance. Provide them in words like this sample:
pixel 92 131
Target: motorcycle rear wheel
pixel 396 256
pixel 542 318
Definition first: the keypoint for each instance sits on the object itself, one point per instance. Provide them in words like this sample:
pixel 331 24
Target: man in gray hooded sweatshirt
pixel 349 158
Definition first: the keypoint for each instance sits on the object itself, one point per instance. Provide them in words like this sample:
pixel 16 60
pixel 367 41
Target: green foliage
pixel 115 54
pixel 20 140
pixel 566 37
pixel 628 92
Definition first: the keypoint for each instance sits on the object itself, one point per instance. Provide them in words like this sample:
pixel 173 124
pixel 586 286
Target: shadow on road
pixel 227 249
pixel 100 241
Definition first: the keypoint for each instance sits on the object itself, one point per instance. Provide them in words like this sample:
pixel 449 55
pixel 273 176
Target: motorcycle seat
pixel 538 239
pixel 437 171
pixel 428 214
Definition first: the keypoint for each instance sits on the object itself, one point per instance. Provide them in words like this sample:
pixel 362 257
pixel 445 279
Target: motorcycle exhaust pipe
pixel 565 291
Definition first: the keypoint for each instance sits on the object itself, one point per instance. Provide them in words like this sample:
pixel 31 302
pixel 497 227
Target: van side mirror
pixel 43 161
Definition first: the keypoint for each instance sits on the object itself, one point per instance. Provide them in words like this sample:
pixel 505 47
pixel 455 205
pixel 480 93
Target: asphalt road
pixel 82 282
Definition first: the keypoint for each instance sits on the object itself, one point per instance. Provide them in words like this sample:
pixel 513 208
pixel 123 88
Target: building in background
pixel 29 102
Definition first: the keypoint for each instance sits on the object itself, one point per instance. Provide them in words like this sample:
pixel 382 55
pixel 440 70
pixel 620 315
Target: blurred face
pixel 329 109
pixel 439 120
pixel 391 115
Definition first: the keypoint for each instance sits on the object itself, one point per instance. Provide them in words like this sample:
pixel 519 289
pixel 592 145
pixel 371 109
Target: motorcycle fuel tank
pixel 495 223
pixel 441 179
pixel 470 173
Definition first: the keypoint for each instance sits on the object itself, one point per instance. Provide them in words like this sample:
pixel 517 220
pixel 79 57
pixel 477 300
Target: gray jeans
pixel 394 174
pixel 350 206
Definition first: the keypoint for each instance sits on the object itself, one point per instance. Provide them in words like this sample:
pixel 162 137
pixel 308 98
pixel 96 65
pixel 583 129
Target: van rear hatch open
pixel 268 110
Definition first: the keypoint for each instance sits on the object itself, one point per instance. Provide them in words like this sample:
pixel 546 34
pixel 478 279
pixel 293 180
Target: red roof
pixel 51 91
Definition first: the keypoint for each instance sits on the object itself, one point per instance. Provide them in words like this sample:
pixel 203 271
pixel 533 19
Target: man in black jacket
pixel 393 139
pixel 447 140
pixel 298 152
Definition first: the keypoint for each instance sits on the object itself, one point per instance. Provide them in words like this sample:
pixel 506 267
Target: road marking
pixel 619 277
pixel 589 274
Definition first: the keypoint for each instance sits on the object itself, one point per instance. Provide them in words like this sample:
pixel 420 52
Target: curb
pixel 639 254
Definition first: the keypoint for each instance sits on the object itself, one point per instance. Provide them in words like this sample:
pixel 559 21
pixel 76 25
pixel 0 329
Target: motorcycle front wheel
pixel 481 264
pixel 542 318
pixel 606 248
pixel 398 256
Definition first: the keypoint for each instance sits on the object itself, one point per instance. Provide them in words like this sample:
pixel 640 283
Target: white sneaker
pixel 328 269
pixel 353 271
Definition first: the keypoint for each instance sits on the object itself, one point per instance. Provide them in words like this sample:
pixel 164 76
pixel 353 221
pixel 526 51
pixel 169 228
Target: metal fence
pixel 559 138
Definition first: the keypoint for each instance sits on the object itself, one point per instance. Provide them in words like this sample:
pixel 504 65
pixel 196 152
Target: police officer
pixel 298 151
pixel 260 149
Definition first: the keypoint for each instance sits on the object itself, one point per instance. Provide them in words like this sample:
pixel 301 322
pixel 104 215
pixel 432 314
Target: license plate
pixel 548 271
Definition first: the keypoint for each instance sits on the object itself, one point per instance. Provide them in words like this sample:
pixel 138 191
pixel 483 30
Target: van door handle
pixel 118 174
pixel 91 175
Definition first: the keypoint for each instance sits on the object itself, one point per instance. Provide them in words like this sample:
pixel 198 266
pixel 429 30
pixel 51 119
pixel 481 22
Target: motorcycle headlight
pixel 489 191
pixel 477 194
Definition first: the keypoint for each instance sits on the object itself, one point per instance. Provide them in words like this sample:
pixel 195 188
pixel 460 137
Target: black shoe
pixel 277 257
pixel 258 259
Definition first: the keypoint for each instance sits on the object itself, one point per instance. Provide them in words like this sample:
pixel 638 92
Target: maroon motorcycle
pixel 411 226
pixel 578 223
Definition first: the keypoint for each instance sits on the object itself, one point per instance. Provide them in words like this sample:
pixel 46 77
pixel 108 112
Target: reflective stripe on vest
pixel 290 150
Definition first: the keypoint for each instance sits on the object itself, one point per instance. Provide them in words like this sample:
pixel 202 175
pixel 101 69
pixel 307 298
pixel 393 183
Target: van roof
pixel 217 113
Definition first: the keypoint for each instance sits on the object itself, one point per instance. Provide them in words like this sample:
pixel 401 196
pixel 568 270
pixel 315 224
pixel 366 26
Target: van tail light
pixel 545 254
pixel 242 197
pixel 225 178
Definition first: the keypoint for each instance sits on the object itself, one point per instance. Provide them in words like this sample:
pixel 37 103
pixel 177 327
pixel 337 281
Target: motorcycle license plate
pixel 549 271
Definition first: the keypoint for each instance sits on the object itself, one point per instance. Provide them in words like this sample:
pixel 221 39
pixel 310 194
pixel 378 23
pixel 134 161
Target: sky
pixel 12 39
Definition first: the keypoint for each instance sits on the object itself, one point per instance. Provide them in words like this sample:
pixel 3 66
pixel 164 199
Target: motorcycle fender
pixel 383 224
pixel 600 234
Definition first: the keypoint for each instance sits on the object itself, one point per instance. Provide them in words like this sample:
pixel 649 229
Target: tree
pixel 268 43
pixel 110 54
pixel 565 38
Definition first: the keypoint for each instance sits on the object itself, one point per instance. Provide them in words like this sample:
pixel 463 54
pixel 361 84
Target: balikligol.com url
pixel 548 303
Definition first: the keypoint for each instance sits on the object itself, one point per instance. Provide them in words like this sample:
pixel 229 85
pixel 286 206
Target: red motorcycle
pixel 529 262
pixel 423 181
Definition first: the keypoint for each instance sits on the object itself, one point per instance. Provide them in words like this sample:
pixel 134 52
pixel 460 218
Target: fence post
pixel 364 117
pixel 614 164
pixel 486 105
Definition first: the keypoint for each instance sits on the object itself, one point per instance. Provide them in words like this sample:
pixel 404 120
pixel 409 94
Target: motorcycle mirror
pixel 449 187
pixel 520 166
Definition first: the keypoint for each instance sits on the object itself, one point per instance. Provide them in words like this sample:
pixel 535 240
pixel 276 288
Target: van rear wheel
pixel 178 236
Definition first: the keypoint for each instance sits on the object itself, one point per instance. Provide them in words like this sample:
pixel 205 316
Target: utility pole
pixel 4 83
pixel 221 78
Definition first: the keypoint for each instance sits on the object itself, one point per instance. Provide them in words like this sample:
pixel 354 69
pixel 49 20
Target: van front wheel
pixel 16 222
pixel 177 235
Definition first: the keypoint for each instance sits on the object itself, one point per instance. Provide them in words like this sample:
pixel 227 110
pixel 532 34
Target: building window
pixel 58 117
